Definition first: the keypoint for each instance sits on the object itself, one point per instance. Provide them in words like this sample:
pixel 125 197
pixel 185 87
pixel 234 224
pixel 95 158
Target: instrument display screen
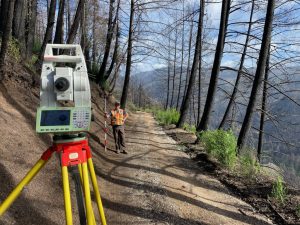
pixel 55 118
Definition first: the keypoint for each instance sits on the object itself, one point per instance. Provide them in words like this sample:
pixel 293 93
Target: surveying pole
pixel 105 123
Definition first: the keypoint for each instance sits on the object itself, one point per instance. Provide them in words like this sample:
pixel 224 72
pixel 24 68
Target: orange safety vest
pixel 118 117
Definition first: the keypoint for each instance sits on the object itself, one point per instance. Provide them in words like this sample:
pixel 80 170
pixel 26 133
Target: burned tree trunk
pixel 129 56
pixel 240 71
pixel 31 27
pixel 58 38
pixel 49 29
pixel 5 38
pixel 203 125
pixel 189 92
pixel 76 22
pixel 261 65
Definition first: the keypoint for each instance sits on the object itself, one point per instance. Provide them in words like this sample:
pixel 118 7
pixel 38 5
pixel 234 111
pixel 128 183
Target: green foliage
pixel 189 128
pixel 131 106
pixel 37 45
pixel 13 49
pixel 279 191
pixel 166 117
pixel 249 166
pixel 221 145
pixel 298 210
pixel 94 68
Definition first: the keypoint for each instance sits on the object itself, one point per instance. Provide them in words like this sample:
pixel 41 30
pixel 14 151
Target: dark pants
pixel 119 135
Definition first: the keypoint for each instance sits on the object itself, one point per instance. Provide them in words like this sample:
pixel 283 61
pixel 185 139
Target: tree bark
pixel 5 38
pixel 49 29
pixel 174 68
pixel 59 33
pixel 263 109
pixel 189 92
pixel 18 17
pixel 169 74
pixel 129 55
pixel 202 12
pixel 4 14
pixel 18 30
pixel 240 71
pixel 109 37
pixel 203 125
pixel 31 28
pixel 261 65
pixel 76 22
pixel 181 64
pixel 189 57
pixel 94 52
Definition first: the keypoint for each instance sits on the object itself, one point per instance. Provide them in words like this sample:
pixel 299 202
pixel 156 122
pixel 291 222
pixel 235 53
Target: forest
pixel 231 65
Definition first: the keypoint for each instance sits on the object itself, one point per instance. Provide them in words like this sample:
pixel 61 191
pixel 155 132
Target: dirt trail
pixel 158 184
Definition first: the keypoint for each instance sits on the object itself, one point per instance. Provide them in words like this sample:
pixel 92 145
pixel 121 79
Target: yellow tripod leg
pixel 96 191
pixel 67 196
pixel 87 195
pixel 18 189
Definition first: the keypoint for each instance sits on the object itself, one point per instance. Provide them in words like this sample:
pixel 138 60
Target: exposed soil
pixel 254 190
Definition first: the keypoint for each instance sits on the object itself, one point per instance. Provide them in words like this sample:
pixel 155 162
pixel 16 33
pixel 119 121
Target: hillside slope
pixel 155 184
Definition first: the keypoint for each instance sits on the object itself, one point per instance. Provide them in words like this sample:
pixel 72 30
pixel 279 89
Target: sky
pixel 213 11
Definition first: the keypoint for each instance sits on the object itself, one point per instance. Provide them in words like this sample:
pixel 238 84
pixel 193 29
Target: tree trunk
pixel 31 28
pixel 18 29
pixel 115 53
pixel 76 22
pixel 181 65
pixel 49 29
pixel 59 33
pixel 189 92
pixel 129 55
pixel 109 37
pixel 18 17
pixel 169 74
pixel 94 52
pixel 202 11
pixel 203 125
pixel 189 57
pixel 5 38
pixel 3 14
pixel 263 109
pixel 174 68
pixel 261 65
pixel 240 71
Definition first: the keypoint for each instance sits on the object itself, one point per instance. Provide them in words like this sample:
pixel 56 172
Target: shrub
pixel 298 210
pixel 14 51
pixel 221 145
pixel 189 128
pixel 166 117
pixel 279 191
pixel 249 166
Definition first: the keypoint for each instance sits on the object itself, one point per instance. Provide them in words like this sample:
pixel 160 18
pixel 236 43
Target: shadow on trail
pixel 149 214
pixel 22 210
pixel 174 195
pixel 124 163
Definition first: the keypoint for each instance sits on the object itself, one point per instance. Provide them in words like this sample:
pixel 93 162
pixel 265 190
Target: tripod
pixel 74 151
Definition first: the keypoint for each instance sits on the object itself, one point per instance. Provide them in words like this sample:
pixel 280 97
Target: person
pixel 118 117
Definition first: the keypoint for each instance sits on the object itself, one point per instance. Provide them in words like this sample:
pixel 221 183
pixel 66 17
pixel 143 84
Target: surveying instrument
pixel 65 111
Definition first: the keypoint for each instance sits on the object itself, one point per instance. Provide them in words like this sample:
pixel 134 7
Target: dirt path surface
pixel 158 184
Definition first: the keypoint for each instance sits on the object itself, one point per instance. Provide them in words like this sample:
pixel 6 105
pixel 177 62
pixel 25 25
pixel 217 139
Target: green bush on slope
pixel 166 117
pixel 221 145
